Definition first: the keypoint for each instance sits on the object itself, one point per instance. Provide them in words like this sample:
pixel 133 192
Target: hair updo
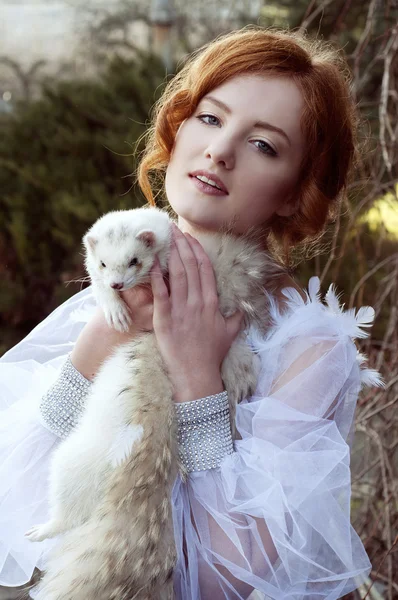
pixel 328 121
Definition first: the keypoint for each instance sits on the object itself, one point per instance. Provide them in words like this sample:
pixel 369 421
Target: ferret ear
pixel 90 241
pixel 147 236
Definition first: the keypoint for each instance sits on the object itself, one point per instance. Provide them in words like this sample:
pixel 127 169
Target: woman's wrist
pixel 95 343
pixel 204 432
pixel 63 404
pixel 196 385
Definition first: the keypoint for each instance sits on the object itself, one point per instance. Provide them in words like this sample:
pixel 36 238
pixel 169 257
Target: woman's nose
pixel 221 153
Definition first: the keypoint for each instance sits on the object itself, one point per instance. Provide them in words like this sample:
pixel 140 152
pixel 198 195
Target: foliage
pixel 65 159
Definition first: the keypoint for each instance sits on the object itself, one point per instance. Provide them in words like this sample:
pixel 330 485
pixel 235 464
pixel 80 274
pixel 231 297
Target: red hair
pixel 328 120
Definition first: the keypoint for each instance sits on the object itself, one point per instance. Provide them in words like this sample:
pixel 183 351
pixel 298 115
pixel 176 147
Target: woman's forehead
pixel 260 98
pixel 266 89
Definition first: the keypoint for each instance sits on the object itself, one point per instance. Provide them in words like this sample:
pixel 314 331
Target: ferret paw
pixel 118 317
pixel 38 533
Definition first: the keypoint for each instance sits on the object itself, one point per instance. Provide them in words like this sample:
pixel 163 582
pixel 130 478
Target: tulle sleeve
pixel 26 445
pixel 275 516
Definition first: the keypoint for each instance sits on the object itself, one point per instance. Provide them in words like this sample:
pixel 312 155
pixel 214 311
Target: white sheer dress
pixel 275 516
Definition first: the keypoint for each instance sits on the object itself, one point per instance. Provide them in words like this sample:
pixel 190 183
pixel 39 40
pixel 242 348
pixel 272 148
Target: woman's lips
pixel 206 188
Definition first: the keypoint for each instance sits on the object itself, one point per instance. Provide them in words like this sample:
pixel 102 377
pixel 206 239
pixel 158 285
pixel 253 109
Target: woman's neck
pixel 191 228
pixel 200 232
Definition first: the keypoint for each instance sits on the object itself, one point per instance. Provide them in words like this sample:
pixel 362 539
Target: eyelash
pixel 269 151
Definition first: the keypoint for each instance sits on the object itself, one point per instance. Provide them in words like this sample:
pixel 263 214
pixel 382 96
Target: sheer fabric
pixel 275 516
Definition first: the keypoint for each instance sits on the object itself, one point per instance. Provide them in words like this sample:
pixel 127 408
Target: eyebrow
pixel 259 125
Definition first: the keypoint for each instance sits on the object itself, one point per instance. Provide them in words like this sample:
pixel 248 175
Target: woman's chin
pixel 198 220
pixel 190 210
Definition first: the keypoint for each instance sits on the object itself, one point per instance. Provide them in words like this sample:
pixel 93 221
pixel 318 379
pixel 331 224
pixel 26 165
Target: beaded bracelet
pixel 204 432
pixel 63 404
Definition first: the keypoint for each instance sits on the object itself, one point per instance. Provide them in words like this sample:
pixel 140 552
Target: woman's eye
pixel 133 262
pixel 265 148
pixel 212 120
pixel 103 264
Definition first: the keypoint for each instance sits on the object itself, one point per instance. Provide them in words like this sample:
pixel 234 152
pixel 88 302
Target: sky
pixel 41 29
pixel 33 30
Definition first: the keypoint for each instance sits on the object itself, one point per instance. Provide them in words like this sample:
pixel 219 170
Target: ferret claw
pixel 38 533
pixel 118 317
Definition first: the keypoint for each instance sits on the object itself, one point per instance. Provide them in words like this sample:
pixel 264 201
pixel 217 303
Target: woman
pixel 257 131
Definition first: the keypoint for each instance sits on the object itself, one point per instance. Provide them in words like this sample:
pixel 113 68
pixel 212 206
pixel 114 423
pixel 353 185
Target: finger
pixel 146 319
pixel 188 259
pixel 234 324
pixel 140 302
pixel 138 297
pixel 208 281
pixel 161 299
pixel 178 281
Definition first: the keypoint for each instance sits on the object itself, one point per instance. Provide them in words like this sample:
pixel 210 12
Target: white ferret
pixel 111 479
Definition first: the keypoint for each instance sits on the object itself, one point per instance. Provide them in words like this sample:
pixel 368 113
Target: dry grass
pixel 372 258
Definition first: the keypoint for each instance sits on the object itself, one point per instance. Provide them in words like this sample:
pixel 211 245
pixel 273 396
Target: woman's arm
pixel 274 515
pixel 97 340
pixel 192 335
pixel 63 403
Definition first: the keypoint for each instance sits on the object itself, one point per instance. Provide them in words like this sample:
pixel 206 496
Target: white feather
pixel 365 316
pixel 314 285
pixel 370 378
pixel 354 321
pixel 123 444
pixel 332 299
pixel 273 309
pixel 350 324
pixel 293 297
pixel 361 358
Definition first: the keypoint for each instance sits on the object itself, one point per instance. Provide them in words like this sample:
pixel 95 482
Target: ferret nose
pixel 116 286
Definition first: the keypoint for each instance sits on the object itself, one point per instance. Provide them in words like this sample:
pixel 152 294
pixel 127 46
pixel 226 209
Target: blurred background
pixel 77 82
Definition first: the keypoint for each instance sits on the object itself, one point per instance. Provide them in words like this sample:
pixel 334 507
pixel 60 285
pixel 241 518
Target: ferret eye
pixel 103 264
pixel 133 262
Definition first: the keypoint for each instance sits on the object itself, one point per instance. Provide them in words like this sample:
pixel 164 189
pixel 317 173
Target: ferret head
pixel 119 257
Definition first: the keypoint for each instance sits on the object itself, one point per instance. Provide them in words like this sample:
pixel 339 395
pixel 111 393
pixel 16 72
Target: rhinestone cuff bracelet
pixel 204 432
pixel 64 402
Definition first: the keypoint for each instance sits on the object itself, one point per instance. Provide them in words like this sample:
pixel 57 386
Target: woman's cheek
pixel 280 183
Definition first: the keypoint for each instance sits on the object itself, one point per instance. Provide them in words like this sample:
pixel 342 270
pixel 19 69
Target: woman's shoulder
pixel 297 311
pixel 307 323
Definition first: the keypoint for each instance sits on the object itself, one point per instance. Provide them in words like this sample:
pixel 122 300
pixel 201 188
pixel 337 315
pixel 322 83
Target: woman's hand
pixel 98 340
pixel 192 335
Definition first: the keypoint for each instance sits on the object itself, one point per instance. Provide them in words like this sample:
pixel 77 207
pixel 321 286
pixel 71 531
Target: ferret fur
pixel 112 245
pixel 111 479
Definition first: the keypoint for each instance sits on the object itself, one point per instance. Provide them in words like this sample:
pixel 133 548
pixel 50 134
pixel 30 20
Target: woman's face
pixel 246 134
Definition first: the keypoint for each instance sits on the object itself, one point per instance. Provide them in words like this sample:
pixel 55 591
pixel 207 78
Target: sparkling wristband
pixel 204 432
pixel 63 404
